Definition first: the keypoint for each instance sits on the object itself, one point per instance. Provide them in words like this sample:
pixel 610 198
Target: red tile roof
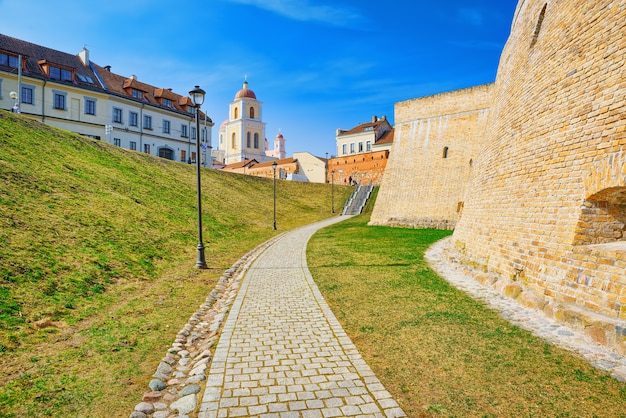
pixel 387 137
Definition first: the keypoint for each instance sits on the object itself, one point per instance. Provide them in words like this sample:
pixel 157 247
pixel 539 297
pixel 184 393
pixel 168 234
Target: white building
pixel 71 92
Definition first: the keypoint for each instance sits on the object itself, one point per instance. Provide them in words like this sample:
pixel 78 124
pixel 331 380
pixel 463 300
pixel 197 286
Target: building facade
pixel 73 93
pixel 362 153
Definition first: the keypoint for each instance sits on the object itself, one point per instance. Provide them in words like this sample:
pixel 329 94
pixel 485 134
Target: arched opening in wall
pixel 248 140
pixel 445 152
pixel 542 15
pixel 251 113
pixel 233 145
pixel 603 218
pixel 236 113
pixel 166 153
pixel 471 162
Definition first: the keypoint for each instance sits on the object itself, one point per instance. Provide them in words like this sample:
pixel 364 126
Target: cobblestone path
pixel 282 353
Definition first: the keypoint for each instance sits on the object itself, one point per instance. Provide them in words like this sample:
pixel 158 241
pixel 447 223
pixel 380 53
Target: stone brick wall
pixel 546 204
pixel 367 168
pixel 544 213
pixel 437 139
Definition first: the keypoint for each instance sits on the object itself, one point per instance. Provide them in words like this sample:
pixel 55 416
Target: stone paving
pixel 282 353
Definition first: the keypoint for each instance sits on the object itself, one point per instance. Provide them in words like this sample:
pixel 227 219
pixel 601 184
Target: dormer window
pixel 138 94
pixel 8 60
pixel 56 72
pixel 167 102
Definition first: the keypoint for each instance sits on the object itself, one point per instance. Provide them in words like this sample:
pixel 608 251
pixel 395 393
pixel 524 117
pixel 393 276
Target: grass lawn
pixel 97 254
pixel 439 352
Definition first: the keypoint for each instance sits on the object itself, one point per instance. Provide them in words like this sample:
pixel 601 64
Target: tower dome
pixel 245 92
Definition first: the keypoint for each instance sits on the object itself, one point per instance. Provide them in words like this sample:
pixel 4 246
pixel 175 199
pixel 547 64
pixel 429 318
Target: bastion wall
pixel 544 213
pixel 437 140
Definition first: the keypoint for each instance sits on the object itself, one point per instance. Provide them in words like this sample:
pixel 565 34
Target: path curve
pixel 282 353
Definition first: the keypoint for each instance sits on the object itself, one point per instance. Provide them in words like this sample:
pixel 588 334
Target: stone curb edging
pixel 178 380
pixel 442 261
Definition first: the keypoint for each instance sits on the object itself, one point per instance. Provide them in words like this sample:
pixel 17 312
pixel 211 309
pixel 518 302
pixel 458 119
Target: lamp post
pixel 197 96
pixel 332 188
pixel 274 168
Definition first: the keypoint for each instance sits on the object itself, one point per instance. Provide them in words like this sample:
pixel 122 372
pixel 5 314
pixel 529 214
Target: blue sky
pixel 317 65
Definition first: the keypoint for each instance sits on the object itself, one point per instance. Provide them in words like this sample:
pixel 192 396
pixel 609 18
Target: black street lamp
pixel 197 96
pixel 274 168
pixel 332 188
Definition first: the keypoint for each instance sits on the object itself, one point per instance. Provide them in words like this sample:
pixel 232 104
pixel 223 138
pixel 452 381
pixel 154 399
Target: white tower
pixel 242 135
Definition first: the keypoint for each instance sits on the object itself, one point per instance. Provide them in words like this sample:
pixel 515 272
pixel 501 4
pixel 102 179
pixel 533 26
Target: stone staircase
pixel 357 200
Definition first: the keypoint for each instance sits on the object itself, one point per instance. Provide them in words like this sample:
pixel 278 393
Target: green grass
pixel 439 352
pixel 97 255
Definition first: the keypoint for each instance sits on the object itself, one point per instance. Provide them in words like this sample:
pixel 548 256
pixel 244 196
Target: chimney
pixel 84 56
pixel 108 68
pixel 384 117
pixel 374 118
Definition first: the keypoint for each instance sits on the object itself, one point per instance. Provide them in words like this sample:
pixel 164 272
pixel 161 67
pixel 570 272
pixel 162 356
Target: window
pixel 59 101
pixel 117 115
pixel 234 142
pixel 445 152
pixel 166 127
pixel 256 140
pixel 138 94
pixel 146 148
pixel 352 148
pixel 183 131
pixel 147 122
pixel 90 106
pixel 344 149
pixel 117 142
pixel 183 155
pixel 360 147
pixel 542 15
pixel 193 132
pixel 248 141
pixel 167 102
pixel 368 146
pixel 61 74
pixel 236 113
pixel 133 146
pixel 9 60
pixel 27 95
pixel 193 157
pixel 85 78
pixel 251 113
pixel 133 119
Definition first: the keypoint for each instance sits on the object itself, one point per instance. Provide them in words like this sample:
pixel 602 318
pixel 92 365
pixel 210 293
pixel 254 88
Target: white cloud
pixel 303 10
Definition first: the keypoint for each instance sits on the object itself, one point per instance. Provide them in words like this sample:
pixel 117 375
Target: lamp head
pixel 197 96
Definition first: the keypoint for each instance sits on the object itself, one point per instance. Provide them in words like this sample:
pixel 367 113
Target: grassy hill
pixel 97 255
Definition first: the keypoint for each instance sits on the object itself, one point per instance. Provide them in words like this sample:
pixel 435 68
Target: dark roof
pixel 91 76
pixel 33 55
